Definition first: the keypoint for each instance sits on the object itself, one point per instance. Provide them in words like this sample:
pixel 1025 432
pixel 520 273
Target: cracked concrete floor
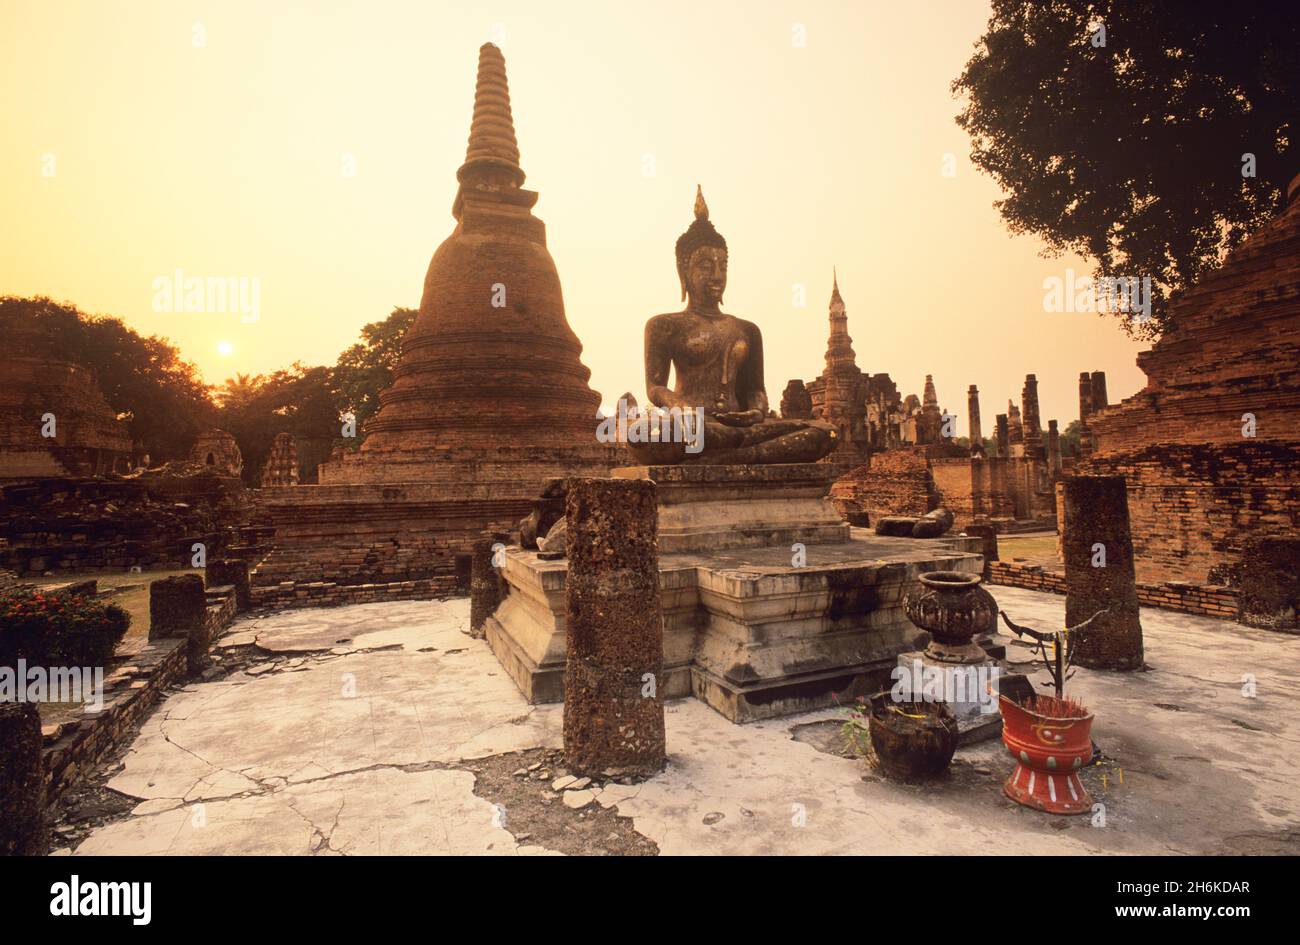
pixel 357 744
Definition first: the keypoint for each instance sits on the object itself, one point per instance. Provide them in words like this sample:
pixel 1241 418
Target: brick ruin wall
pixel 896 482
pixel 1193 507
pixel 1210 600
pixel 132 688
pixel 360 543
pixel 86 525
pixel 974 489
pixel 911 481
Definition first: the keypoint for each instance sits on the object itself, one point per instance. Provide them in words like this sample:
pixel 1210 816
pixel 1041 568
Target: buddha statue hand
pixel 738 418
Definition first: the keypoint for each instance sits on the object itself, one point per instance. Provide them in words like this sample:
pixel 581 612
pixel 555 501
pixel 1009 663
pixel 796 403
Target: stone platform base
pixel 744 629
pixel 710 508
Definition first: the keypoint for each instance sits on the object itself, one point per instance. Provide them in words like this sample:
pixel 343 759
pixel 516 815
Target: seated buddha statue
pixel 718 359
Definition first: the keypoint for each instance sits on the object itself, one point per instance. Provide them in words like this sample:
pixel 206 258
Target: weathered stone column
pixel 1098 551
pixel 1099 399
pixel 1053 450
pixel 1004 436
pixel 22 781
pixel 176 606
pixel 486 585
pixel 613 702
pixel 1033 426
pixel 973 419
pixel 229 571
pixel 1085 411
pixel 1016 429
pixel 988 534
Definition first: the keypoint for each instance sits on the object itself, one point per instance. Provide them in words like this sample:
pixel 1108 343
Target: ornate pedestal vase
pixel 1049 753
pixel 953 608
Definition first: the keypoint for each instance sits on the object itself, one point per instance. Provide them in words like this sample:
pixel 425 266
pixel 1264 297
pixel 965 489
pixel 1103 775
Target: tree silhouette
pixel 1126 130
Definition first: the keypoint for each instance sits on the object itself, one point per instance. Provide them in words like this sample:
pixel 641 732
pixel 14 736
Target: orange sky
pixel 214 138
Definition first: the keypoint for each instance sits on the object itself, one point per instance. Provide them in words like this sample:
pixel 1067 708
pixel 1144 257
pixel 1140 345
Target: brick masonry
pixel 1209 600
pixel 330 594
pixel 1210 448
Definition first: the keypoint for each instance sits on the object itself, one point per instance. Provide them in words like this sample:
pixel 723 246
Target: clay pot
pixel 952 607
pixel 1049 754
pixel 911 739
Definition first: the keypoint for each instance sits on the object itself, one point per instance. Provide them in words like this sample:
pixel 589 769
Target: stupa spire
pixel 839 347
pixel 493 153
pixel 930 397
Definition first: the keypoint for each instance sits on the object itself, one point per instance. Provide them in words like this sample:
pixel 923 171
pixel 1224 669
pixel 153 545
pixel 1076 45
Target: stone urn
pixel 953 607
pixel 911 740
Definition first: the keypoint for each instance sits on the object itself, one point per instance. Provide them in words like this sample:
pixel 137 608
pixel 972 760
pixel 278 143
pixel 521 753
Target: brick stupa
pixel 490 370
pixel 839 394
pixel 1211 446
pixel 489 400
pixel 88 438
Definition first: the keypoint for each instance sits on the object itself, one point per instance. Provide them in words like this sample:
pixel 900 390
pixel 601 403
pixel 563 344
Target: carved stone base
pixel 710 508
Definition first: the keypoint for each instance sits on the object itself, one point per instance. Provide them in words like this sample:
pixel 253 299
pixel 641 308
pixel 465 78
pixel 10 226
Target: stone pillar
pixel 1085 396
pixel 228 571
pixel 1016 430
pixel 486 586
pixel 988 534
pixel 1099 400
pixel 1053 450
pixel 1098 551
pixel 176 606
pixel 973 419
pixel 613 696
pixel 22 781
pixel 1004 436
pixel 1085 411
pixel 1033 428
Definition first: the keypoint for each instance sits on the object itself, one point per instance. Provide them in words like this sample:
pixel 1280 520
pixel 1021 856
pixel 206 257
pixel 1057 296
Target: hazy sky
pixel 217 138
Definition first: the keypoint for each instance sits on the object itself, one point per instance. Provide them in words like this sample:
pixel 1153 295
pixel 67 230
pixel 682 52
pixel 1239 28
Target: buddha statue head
pixel 702 258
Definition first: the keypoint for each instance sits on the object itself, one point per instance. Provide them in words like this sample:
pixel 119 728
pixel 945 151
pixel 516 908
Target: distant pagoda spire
pixel 839 347
pixel 929 397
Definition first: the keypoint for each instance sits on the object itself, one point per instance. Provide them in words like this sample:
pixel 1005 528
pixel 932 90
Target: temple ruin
pixel 54 421
pixel 898 456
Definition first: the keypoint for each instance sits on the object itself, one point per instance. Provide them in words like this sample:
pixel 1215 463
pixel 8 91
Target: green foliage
pixel 366 368
pixel 166 404
pixel 1131 153
pixel 299 401
pixel 161 397
pixel 58 629
pixel 1070 438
